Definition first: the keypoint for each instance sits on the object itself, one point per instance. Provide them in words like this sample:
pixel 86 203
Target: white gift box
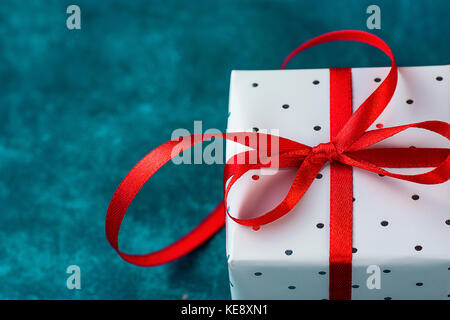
pixel 288 258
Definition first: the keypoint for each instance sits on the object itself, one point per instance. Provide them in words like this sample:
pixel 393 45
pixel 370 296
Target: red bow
pixel 347 149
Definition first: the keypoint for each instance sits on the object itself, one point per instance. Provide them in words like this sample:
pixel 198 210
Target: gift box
pixel 312 213
pixel 401 230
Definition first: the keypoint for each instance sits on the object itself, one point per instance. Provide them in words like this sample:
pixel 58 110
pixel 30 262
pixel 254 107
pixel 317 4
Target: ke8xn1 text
pixel 229 309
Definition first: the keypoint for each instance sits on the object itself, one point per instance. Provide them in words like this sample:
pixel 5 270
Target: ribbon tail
pixel 440 174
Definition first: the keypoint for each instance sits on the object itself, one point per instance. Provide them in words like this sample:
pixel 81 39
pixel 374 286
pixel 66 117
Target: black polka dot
pixel 231 284
pixel 418 248
pixel 355 286
pixel 387 298
pixel 353 199
pixel 319 176
pixel 419 284
pixel 439 78
pixel 288 252
pixel 285 106
pixel 387 271
pixel 384 223
pixel 415 197
pixel 317 128
pixel 409 101
pixel 412 147
pixel 322 272
pixel 316 82
pixel 381 175
pixel 254 84
pixel 354 250
pixel 447 222
pixel 377 79
pixel 291 287
pixel 320 225
pixel 255 129
pixel 258 274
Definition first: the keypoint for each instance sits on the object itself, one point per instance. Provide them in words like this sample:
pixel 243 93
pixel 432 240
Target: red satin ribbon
pixel 346 149
pixel 341 191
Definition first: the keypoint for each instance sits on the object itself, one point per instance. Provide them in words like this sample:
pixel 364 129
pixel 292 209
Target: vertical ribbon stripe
pixel 341 191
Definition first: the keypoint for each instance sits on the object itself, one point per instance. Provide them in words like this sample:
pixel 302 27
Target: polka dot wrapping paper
pixel 401 230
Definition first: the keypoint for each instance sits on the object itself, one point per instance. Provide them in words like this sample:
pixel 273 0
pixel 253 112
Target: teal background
pixel 79 108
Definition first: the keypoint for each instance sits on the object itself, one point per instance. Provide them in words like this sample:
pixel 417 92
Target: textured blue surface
pixel 80 108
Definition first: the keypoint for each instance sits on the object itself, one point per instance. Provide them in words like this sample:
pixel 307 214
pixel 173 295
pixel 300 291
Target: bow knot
pixel 324 152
